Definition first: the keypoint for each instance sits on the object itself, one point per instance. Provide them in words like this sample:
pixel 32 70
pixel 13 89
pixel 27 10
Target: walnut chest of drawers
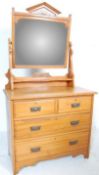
pixel 48 123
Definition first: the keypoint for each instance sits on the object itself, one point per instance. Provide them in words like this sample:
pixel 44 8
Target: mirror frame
pixel 19 15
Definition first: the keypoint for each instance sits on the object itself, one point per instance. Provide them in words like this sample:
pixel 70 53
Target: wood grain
pixel 42 5
pixel 27 108
pixel 32 162
pixel 75 104
pixel 46 92
pixel 46 126
pixel 66 21
pixel 50 146
pixel 48 116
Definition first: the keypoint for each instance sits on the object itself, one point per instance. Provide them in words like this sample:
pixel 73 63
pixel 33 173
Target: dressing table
pixel 48 116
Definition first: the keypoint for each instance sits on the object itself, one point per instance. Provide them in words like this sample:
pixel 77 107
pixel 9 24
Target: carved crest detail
pixel 43 9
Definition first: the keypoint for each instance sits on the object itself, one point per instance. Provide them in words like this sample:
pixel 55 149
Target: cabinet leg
pixel 86 155
pixel 14 172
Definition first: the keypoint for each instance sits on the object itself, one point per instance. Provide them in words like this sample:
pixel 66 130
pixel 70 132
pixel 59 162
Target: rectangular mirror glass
pixel 40 43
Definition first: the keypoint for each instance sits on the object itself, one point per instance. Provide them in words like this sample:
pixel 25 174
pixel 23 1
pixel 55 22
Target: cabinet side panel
pixel 89 138
pixel 10 124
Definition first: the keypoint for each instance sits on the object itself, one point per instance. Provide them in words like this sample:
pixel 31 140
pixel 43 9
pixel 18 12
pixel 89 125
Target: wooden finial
pixel 70 64
pixel 13 10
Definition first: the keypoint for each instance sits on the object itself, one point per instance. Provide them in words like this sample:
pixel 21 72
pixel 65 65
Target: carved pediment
pixel 43 9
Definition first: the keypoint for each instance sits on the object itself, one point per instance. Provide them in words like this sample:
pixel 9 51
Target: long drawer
pixel 45 148
pixel 33 108
pixel 75 104
pixel 52 125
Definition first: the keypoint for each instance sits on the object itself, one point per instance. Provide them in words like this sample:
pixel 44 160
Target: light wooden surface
pixel 21 82
pixel 11 141
pixel 55 146
pixel 37 127
pixel 42 5
pixel 67 142
pixel 43 92
pixel 58 117
pixel 75 104
pixel 35 81
pixel 48 116
pixel 32 162
pixel 25 108
pixel 16 16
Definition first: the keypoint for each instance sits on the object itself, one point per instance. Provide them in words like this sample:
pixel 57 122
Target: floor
pixel 61 166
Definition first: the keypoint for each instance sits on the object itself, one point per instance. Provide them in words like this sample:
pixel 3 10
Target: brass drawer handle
pixel 35 109
pixel 73 142
pixel 75 105
pixel 35 128
pixel 74 123
pixel 35 149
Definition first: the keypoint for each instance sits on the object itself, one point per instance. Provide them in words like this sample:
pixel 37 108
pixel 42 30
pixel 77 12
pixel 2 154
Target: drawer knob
pixel 73 142
pixel 35 109
pixel 35 149
pixel 75 105
pixel 74 123
pixel 35 128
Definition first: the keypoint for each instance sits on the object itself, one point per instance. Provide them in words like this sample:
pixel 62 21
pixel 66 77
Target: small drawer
pixel 36 150
pixel 75 104
pixel 50 126
pixel 33 108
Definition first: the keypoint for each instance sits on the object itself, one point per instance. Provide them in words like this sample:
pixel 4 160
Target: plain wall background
pixel 84 37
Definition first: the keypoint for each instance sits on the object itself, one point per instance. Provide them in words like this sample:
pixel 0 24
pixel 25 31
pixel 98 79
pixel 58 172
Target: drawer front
pixel 33 108
pixel 43 149
pixel 74 104
pixel 43 127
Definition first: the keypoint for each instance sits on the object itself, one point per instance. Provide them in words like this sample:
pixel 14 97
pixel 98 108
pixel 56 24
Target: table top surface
pixel 45 92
